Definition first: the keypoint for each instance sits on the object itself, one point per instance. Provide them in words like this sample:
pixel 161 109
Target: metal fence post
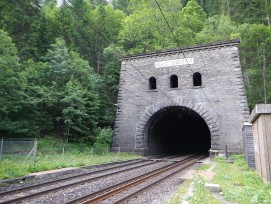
pixel 35 151
pixel 63 152
pixel 1 149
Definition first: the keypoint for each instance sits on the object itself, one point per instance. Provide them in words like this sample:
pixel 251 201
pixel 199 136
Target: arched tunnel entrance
pixel 178 130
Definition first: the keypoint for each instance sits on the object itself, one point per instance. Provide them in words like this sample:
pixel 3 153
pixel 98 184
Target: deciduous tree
pixel 11 88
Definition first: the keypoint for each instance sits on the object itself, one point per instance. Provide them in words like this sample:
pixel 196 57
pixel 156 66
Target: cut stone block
pixel 213 187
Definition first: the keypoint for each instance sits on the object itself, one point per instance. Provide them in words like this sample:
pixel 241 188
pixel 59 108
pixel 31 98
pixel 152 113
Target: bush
pixel 103 138
pixel 52 145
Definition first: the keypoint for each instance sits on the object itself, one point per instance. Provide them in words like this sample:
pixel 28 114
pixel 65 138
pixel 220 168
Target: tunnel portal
pixel 184 99
pixel 178 130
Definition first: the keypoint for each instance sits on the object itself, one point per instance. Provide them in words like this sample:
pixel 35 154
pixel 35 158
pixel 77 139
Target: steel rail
pixel 5 193
pixel 31 195
pixel 112 190
pixel 127 197
pixel 171 158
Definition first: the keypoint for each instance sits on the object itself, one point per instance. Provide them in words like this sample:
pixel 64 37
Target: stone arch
pixel 208 117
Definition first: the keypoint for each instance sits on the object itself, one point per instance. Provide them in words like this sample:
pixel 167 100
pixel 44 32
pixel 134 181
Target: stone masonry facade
pixel 220 99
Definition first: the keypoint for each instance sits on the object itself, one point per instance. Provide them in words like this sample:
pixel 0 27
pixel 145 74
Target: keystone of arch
pixel 209 118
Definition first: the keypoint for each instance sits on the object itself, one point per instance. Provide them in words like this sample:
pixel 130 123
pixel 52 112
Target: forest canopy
pixel 60 65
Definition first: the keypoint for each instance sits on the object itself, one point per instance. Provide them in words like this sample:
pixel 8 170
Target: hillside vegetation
pixel 60 64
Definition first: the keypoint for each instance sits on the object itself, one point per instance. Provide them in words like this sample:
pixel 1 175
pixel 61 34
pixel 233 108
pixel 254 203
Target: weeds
pixel 52 156
pixel 180 193
pixel 204 167
pixel 241 184
pixel 201 194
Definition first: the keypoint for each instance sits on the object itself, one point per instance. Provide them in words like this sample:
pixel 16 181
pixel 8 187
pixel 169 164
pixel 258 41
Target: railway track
pixel 151 179
pixel 35 192
pixel 23 193
pixel 20 189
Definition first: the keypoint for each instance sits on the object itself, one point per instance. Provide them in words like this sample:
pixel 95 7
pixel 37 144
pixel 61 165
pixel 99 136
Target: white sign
pixel 176 62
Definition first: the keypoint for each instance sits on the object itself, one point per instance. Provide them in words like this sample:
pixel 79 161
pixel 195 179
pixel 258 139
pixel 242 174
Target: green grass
pixel 239 183
pixel 10 168
pixel 180 193
pixel 201 194
pixel 204 167
pixel 50 156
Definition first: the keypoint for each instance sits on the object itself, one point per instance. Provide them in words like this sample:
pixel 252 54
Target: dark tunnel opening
pixel 178 130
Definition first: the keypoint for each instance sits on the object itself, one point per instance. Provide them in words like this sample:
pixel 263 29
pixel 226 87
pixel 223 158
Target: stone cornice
pixel 183 49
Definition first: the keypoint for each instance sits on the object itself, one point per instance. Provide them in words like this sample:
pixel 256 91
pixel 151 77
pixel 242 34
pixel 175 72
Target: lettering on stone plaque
pixel 172 63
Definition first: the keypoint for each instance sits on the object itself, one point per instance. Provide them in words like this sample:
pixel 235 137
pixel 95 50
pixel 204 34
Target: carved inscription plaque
pixel 172 63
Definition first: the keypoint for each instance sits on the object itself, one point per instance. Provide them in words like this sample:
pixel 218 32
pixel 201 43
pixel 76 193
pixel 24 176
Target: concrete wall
pixel 261 125
pixel 221 99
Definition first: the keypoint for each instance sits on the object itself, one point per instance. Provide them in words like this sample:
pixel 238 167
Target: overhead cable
pixel 177 42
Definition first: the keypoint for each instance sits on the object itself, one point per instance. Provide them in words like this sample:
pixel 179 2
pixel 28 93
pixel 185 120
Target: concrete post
pixel 261 125
pixel 35 151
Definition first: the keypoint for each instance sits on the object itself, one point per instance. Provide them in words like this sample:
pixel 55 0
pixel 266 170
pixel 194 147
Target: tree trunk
pixel 261 55
pixel 267 9
pixel 264 75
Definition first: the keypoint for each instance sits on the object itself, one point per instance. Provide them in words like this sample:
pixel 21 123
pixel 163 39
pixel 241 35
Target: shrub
pixel 104 137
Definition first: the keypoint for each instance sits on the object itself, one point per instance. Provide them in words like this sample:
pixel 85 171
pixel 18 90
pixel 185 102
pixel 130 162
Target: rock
pixel 213 187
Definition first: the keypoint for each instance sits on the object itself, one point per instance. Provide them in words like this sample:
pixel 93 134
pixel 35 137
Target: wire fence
pixel 24 150
pixel 99 150
pixel 91 151
pixel 20 149
pixel 103 150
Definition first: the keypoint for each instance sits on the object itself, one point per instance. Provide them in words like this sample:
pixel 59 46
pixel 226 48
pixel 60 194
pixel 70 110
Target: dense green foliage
pixel 60 63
